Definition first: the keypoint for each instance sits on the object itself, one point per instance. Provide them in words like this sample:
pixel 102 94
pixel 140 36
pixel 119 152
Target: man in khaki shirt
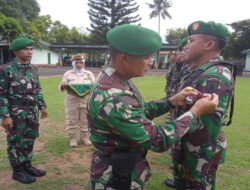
pixel 75 107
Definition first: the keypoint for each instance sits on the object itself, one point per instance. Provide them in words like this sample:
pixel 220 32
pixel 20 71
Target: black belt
pixel 107 158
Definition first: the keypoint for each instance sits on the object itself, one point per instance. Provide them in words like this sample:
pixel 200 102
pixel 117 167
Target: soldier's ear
pixel 210 44
pixel 123 58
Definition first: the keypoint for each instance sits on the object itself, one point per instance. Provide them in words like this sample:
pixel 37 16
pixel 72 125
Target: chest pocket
pixel 18 84
pixel 27 84
pixel 31 81
pixel 71 80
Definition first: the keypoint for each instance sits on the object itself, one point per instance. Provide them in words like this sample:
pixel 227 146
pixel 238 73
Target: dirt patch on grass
pixel 5 178
pixel 72 187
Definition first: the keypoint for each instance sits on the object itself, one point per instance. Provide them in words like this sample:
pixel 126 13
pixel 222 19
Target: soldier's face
pixel 181 56
pixel 24 55
pixel 137 66
pixel 173 58
pixel 194 50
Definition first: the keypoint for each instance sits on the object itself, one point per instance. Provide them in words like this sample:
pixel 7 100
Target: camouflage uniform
pixel 197 156
pixel 168 77
pixel 173 77
pixel 178 71
pixel 120 119
pixel 183 72
pixel 20 98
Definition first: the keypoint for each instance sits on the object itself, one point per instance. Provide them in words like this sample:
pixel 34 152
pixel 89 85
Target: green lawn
pixel 233 175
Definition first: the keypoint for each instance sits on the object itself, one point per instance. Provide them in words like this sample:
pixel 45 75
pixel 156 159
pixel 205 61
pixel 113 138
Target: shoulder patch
pixel 211 86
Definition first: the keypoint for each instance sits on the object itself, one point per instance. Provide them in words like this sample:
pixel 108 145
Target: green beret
pixel 183 43
pixel 20 43
pixel 211 28
pixel 134 40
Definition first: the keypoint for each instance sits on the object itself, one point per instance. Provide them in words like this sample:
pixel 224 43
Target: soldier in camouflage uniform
pixel 197 155
pixel 169 82
pixel 177 70
pixel 175 73
pixel 20 99
pixel 120 122
pixel 183 69
pixel 173 78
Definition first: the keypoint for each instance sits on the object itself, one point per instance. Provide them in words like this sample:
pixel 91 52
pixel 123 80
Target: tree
pixel 106 14
pixel 76 36
pixel 43 28
pixel 20 9
pixel 239 41
pixel 160 10
pixel 38 29
pixel 9 28
pixel 59 33
pixel 174 36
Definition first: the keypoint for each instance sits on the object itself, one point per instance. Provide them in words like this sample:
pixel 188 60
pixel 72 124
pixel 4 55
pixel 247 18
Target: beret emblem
pixel 195 26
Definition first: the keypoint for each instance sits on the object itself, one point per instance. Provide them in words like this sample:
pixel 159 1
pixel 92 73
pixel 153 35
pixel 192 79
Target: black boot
pixel 32 170
pixel 170 183
pixel 21 175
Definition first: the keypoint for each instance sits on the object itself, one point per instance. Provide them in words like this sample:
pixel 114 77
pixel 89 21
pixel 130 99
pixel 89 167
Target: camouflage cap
pixel 134 40
pixel 183 43
pixel 20 43
pixel 78 57
pixel 211 28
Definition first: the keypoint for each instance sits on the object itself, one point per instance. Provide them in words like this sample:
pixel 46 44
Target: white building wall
pixel 40 56
pixel 247 67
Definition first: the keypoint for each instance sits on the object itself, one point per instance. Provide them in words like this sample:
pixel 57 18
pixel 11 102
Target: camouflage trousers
pixel 184 181
pixel 20 139
pixel 101 174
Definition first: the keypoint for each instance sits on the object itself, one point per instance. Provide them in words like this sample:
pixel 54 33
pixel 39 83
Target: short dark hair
pixel 220 43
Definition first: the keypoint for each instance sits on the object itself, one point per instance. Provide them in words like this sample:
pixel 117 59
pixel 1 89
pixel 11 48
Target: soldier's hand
pixel 205 105
pixel 179 98
pixel 7 123
pixel 63 87
pixel 44 113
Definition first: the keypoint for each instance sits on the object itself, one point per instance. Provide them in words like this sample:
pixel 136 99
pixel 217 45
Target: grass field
pixel 68 169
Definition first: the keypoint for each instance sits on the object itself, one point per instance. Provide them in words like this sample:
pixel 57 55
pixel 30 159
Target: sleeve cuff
pixel 42 107
pixel 2 116
pixel 170 105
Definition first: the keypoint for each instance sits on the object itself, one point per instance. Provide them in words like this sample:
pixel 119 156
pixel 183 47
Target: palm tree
pixel 159 8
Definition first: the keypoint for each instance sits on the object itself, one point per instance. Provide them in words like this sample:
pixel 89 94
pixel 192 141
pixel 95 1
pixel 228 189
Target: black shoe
pixel 22 176
pixel 32 170
pixel 170 183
